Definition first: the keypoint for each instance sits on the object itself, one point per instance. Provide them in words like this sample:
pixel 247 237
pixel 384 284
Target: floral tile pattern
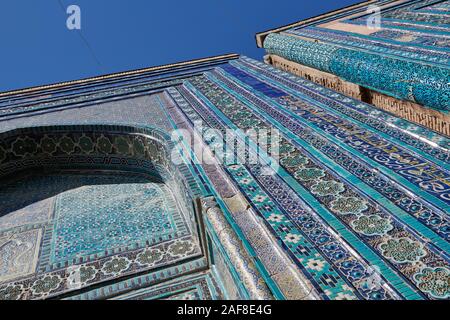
pixel 405 55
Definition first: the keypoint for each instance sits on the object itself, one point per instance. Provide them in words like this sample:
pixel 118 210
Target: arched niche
pixel 98 177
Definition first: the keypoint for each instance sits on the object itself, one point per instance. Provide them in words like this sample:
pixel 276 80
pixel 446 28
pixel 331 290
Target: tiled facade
pixel 398 56
pixel 121 188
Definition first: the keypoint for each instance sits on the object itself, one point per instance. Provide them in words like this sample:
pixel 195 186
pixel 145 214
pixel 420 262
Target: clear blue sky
pixel 37 48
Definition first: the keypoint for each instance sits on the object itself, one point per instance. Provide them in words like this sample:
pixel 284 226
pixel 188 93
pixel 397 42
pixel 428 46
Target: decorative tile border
pixel 242 263
pixel 230 107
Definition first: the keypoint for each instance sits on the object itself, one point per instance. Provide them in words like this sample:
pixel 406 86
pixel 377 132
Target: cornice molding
pixel 165 67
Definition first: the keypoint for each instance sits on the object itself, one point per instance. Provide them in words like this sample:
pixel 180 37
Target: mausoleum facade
pixel 228 178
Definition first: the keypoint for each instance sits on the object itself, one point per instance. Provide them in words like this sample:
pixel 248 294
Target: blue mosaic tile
pixel 405 56
pixel 420 83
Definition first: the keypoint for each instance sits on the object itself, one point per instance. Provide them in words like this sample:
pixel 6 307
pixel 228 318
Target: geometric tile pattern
pixel 404 56
pixel 98 217
pixel 383 122
pixel 308 256
pixel 331 161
